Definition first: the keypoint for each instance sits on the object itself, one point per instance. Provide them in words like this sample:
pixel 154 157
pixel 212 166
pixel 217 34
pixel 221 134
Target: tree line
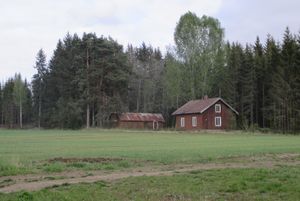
pixel 15 102
pixel 90 77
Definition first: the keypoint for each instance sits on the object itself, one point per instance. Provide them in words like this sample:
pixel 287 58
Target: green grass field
pixel 27 150
pixel 33 151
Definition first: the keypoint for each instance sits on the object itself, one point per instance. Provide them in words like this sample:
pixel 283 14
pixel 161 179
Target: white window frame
pixel 182 122
pixel 218 106
pixel 194 121
pixel 220 120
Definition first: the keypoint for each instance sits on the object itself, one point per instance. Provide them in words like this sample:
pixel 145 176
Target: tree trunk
pixel 192 82
pixel 204 90
pixel 2 116
pixel 263 106
pixel 21 114
pixel 256 108
pixel 274 116
pixel 40 112
pixel 138 96
pixel 88 93
pixel 93 116
pixel 88 115
pixel 145 97
pixel 100 103
pixel 11 116
pixel 251 116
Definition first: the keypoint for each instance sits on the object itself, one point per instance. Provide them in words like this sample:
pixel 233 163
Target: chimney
pixel 205 97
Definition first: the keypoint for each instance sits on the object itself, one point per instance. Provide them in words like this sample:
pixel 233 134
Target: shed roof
pixel 200 106
pixel 145 117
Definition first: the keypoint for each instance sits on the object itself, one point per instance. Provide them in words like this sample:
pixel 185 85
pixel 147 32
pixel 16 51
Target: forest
pixel 89 77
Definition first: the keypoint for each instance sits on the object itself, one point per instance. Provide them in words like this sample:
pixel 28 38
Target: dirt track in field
pixel 40 181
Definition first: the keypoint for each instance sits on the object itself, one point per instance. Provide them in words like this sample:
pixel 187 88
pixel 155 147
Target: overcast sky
pixel 28 25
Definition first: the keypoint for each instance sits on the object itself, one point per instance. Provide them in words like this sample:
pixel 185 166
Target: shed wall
pixel 131 124
pixel 138 125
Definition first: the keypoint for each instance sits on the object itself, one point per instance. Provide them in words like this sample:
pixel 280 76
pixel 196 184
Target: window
pixel 218 108
pixel 194 121
pixel 182 122
pixel 218 121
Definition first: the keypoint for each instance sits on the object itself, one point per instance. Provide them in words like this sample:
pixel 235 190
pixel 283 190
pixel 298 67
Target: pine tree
pixel 87 78
pixel 88 43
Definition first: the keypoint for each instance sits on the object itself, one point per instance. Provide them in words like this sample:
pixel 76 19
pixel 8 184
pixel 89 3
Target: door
pixel 155 125
pixel 205 123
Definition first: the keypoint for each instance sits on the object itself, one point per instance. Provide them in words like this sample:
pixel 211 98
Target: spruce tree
pixel 27 106
pixel 275 85
pixel 289 68
pixel 260 87
pixel 38 85
pixel 247 81
pixel 231 87
pixel 295 84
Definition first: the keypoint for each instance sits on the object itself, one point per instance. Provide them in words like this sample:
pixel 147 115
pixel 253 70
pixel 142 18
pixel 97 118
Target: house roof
pixel 200 106
pixel 145 117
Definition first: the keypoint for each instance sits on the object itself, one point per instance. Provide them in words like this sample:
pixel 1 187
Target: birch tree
pixel 19 93
pixel 198 41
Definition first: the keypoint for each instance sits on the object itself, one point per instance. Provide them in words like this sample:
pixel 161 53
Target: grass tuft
pixel 54 167
pixel 25 196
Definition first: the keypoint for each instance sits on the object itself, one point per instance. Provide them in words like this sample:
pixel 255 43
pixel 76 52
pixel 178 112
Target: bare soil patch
pixel 87 160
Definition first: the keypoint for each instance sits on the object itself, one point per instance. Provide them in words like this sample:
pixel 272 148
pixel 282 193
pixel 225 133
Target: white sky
pixel 28 25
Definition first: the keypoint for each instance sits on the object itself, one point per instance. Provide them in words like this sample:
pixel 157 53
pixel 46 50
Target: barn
pixel 137 120
pixel 206 113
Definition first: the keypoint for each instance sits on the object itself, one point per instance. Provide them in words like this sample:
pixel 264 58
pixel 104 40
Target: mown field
pixel 48 151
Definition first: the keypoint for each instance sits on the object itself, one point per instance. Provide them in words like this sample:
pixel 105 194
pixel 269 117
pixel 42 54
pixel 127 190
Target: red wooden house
pixel 206 113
